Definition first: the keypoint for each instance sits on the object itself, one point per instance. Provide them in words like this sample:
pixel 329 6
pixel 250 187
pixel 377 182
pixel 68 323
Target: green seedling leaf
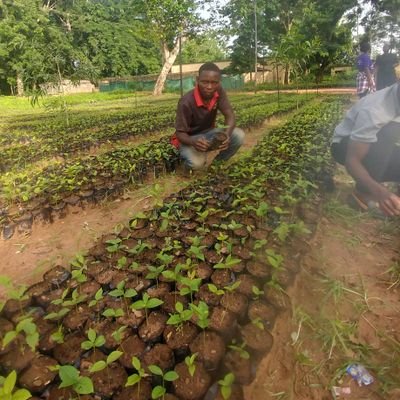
pixel 98 366
pixel 156 370
pixel 133 380
pixel 171 376
pixel 113 356
pixel 158 392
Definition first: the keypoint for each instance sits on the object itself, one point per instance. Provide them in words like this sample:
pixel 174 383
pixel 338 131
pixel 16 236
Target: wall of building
pixel 68 87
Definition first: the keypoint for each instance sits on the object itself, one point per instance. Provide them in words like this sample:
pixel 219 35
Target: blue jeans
pixel 196 160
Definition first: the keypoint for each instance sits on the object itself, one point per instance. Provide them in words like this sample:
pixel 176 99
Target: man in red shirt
pixel 195 134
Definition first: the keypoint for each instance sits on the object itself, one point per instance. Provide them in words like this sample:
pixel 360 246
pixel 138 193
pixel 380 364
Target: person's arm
pixel 227 111
pixel 370 78
pixel 389 203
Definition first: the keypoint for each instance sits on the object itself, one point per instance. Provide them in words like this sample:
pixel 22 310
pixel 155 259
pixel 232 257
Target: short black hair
pixel 209 66
pixel 365 47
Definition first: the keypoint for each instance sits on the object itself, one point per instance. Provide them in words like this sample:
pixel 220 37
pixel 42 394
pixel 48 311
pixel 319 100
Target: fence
pixel 188 83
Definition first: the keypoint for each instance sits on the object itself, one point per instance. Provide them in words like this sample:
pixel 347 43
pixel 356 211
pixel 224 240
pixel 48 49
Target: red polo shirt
pixel 194 116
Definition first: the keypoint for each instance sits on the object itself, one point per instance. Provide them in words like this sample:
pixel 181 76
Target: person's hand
pixel 389 203
pixel 225 143
pixel 200 144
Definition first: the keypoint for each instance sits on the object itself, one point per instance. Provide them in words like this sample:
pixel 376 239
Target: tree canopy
pixel 49 40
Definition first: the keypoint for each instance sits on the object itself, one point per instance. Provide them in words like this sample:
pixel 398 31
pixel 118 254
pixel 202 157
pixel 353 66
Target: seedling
pixel 94 340
pixel 240 349
pixel 137 377
pixel 181 316
pixel 201 311
pixel 190 363
pixel 233 287
pixel 113 313
pixel 189 286
pixel 100 365
pixel 8 391
pixel 70 377
pixel 28 328
pixel 97 297
pixel 213 289
pixel 256 292
pixel 146 303
pixel 122 262
pixel 139 248
pixel 117 335
pixel 229 262
pixel 226 385
pixel 166 259
pixel 113 245
pixel 258 323
pixel 120 291
pixel 273 258
pixel 196 249
pixel 13 292
pixel 170 376
pixel 79 268
pixel 155 272
pixel 58 335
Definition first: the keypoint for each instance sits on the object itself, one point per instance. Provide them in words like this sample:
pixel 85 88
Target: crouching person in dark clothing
pixel 196 134
pixel 367 143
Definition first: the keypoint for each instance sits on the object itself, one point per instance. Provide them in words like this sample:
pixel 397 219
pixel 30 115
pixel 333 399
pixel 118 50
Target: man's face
pixel 208 82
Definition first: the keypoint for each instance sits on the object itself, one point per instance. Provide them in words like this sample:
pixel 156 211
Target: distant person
pixel 195 133
pixel 384 68
pixel 366 143
pixel 365 79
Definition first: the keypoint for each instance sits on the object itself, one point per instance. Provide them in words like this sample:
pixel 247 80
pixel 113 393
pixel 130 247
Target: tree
pixel 173 22
pixel 203 48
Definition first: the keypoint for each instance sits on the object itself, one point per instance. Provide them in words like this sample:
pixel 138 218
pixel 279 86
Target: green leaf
pixel 92 335
pixel 98 366
pixel 152 303
pixel 158 392
pixel 114 356
pixel 136 363
pixel 156 370
pixel 174 319
pixel 171 376
pixel 100 340
pixel 86 345
pixel 69 375
pixel 84 385
pixel 226 392
pixel 9 383
pixel 9 337
pixel 21 394
pixel 32 340
pixel 133 380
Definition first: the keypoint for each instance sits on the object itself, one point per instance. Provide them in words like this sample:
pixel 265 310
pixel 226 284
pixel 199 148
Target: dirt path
pixel 345 308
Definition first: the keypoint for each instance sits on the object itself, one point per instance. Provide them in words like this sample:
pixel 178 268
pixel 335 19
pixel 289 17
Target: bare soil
pixel 345 309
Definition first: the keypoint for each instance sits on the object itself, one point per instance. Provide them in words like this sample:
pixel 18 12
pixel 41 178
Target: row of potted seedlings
pixel 48 192
pixel 61 141
pixel 181 303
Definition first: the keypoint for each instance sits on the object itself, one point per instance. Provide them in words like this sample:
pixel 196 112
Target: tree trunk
pixel 20 86
pixel 169 57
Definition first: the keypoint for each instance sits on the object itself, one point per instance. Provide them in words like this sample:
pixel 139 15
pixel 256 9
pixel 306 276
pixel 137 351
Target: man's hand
pixel 200 144
pixel 225 143
pixel 389 203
